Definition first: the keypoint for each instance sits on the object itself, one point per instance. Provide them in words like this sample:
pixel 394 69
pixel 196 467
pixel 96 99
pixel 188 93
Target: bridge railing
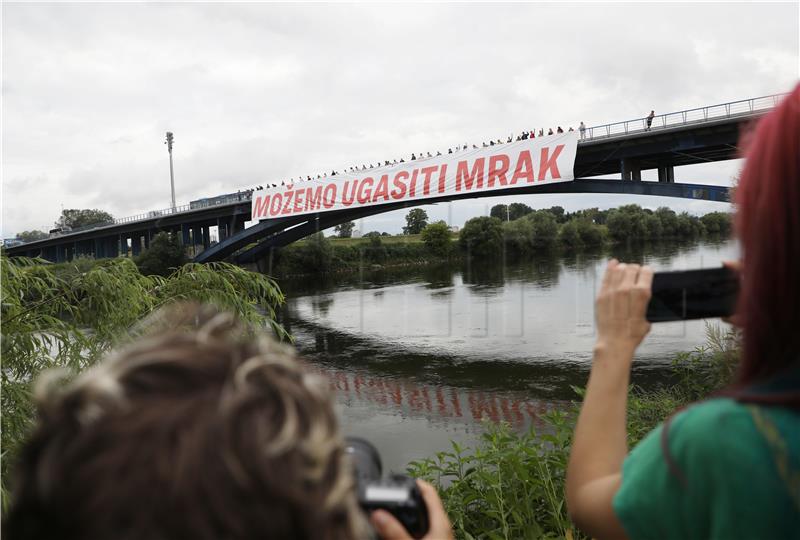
pixel 744 107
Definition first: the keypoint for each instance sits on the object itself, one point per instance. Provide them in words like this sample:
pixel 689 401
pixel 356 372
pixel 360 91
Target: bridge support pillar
pixel 666 173
pixel 238 225
pixel 630 169
pixel 111 247
pixel 136 244
pixel 222 230
pixel 185 237
pixel 206 232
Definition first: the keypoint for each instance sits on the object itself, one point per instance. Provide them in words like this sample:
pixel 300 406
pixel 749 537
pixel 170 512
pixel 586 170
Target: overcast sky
pixel 260 92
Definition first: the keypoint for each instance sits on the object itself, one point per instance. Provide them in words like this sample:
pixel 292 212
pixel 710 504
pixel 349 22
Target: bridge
pixel 700 135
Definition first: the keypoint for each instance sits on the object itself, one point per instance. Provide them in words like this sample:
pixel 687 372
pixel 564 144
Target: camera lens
pixel 365 458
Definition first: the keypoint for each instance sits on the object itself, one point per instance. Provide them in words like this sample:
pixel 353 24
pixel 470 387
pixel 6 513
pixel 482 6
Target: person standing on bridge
pixel 582 129
pixel 729 466
pixel 650 120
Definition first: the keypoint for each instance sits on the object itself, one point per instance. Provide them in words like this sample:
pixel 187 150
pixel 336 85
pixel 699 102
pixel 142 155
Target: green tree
pixel 518 237
pixel 558 213
pixel 689 226
pixel 569 236
pixel 74 218
pixel 500 211
pixel 626 222
pixel 50 321
pixel 416 220
pixel 32 236
pixel 511 212
pixel 545 228
pixel 436 237
pixel 345 230
pixel 482 237
pixel 669 221
pixel 517 210
pixel 717 223
pixel 652 226
pixel 591 233
pixel 165 254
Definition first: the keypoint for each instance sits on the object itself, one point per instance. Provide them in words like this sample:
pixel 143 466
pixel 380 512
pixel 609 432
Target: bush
pixel 482 237
pixel 165 255
pixel 314 254
pixel 436 237
pixel 510 486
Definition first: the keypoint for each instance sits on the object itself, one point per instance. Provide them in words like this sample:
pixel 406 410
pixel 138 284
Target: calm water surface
pixel 418 356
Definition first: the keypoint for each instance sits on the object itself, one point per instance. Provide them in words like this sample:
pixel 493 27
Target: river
pixel 419 356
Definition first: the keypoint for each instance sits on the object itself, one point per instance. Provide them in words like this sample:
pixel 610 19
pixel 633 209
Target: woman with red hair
pixel 728 467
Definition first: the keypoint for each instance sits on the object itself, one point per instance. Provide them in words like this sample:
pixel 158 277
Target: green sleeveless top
pixel 735 474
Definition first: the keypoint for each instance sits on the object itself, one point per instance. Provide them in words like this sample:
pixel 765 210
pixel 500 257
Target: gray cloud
pixel 260 92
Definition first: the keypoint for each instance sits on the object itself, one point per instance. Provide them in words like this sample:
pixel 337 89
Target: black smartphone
pixel 693 294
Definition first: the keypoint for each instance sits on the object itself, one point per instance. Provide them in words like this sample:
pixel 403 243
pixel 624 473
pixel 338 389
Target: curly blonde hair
pixel 201 428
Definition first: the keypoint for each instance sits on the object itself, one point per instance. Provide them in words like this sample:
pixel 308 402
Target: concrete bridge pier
pixel 631 169
pixel 136 244
pixel 205 234
pixel 666 173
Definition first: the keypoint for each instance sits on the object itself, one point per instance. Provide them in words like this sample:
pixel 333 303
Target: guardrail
pixel 744 107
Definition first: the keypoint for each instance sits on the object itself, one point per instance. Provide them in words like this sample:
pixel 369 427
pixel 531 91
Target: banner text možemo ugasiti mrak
pixel 540 161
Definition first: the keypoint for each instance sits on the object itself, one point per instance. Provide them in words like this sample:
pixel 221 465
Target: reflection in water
pixel 419 355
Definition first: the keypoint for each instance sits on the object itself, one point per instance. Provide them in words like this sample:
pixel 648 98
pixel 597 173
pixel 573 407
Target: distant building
pixel 356 233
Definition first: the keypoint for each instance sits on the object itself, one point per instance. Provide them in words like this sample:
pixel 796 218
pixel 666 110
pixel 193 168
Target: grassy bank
pixel 511 485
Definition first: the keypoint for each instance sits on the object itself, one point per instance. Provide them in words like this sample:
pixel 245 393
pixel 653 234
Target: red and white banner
pixel 539 161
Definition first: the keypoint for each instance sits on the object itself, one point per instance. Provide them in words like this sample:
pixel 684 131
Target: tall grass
pixel 511 485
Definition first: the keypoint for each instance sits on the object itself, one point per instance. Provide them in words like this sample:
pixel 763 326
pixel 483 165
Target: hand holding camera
pixel 400 507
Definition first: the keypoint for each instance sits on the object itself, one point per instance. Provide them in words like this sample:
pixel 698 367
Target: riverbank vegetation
pixel 521 233
pixel 67 316
pixel 512 485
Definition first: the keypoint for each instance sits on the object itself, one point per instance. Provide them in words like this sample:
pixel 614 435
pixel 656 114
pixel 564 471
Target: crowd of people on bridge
pixel 525 135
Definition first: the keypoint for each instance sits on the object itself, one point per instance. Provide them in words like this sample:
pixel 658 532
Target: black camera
pixel 398 494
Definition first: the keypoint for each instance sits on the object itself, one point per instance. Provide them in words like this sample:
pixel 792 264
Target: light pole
pixel 170 138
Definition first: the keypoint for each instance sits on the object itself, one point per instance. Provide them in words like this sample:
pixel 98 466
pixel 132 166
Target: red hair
pixel 768 226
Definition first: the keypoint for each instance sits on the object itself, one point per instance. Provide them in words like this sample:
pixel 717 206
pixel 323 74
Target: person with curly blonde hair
pixel 201 428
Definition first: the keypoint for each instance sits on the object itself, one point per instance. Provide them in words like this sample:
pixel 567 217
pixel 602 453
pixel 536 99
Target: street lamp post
pixel 170 138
